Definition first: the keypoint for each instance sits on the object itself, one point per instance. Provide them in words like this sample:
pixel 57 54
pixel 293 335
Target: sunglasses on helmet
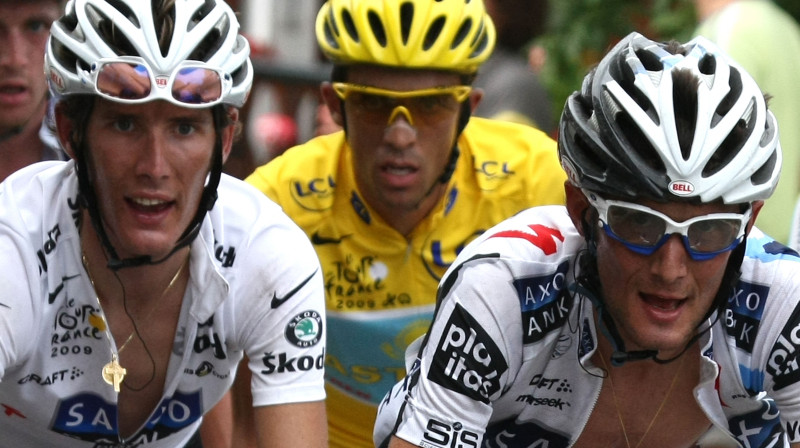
pixel 129 79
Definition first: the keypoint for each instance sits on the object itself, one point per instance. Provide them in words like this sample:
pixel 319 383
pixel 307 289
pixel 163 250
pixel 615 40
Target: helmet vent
pixel 707 65
pixel 125 11
pixel 764 173
pixel 331 29
pixel 118 42
pixel 462 33
pixel 198 16
pixel 733 143
pixel 211 43
pixel 643 150
pixel 685 105
pixel 650 61
pixel 376 26
pixel 406 20
pixel 433 33
pixel 349 25
pixel 735 84
pixel 480 42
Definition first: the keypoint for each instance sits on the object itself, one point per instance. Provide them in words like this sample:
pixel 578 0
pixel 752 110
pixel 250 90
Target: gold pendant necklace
pixel 616 405
pixel 113 373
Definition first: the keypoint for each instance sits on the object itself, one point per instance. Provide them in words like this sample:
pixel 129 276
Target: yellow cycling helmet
pixel 452 35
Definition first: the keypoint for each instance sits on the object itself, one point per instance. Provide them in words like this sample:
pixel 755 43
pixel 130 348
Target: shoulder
pixel 511 162
pixel 534 238
pixel 37 189
pixel 242 213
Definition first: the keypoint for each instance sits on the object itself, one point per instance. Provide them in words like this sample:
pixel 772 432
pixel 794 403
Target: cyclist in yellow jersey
pixel 392 199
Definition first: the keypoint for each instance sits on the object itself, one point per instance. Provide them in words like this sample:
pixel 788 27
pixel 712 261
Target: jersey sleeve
pixel 778 357
pixel 282 316
pixel 471 352
pixel 18 309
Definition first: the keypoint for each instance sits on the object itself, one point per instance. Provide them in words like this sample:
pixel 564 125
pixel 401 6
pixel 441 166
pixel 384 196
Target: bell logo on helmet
pixel 681 188
pixel 57 81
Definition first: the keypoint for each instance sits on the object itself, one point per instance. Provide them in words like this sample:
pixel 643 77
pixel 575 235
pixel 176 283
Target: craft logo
pixel 440 434
pixel 783 363
pixel 544 308
pixel 305 329
pixel 467 361
pixel 743 314
pixel 53 378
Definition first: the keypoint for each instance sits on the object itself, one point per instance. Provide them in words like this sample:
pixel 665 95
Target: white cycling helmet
pixel 205 31
pixel 651 124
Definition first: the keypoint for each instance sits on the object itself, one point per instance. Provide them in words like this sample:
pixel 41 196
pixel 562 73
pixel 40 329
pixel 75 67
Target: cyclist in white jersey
pixel 648 312
pixel 136 275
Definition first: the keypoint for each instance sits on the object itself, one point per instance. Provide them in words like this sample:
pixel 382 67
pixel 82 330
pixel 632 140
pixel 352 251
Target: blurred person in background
pixel 511 88
pixel 25 136
pixel 765 40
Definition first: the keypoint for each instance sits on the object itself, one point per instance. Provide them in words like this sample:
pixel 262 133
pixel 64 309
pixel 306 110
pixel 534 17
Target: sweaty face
pixel 148 164
pixel 24 29
pixel 658 300
pixel 397 162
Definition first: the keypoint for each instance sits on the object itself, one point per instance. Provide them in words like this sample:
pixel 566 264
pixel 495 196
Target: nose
pixel 16 50
pixel 670 261
pixel 152 162
pixel 400 132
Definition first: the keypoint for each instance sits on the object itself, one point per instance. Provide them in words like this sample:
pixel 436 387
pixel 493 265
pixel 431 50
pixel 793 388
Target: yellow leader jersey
pixel 380 285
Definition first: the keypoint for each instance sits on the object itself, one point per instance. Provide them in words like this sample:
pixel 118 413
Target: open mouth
pixel 662 303
pixel 11 90
pixel 145 205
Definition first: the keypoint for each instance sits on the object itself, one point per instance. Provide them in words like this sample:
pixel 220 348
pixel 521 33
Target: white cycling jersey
pixel 501 366
pixel 255 287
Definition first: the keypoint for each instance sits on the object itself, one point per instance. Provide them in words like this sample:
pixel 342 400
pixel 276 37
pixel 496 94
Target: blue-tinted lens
pixel 196 85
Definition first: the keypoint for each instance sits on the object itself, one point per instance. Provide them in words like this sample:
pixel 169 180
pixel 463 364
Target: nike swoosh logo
pixel 318 240
pixel 278 301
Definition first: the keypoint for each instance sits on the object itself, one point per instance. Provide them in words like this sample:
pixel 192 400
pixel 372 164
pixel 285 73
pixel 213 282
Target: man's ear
pixel 65 127
pixel 576 205
pixel 475 98
pixel 756 205
pixel 229 132
pixel 333 102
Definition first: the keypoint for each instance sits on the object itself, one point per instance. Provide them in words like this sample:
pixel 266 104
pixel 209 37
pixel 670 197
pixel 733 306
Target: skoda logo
pixel 681 188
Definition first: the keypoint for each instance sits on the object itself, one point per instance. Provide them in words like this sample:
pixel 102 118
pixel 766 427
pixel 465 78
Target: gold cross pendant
pixel 113 373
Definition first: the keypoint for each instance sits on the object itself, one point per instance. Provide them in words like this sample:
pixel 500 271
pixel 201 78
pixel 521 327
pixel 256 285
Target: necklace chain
pixel 113 373
pixel 616 404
